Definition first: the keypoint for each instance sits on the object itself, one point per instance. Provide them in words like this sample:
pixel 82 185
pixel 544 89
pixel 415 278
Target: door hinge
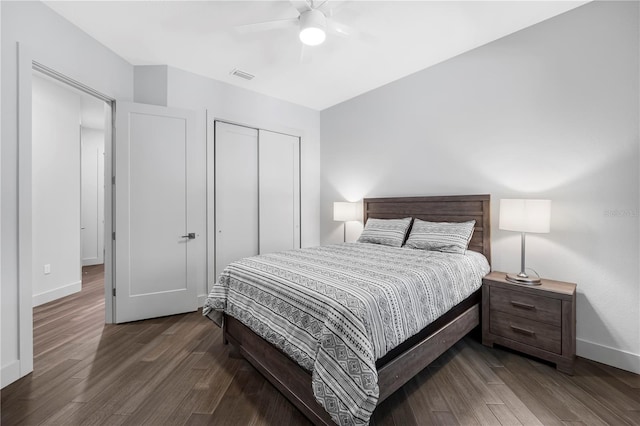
pixel 114 292
pixel 113 235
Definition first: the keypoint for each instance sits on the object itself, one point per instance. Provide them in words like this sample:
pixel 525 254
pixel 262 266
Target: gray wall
pixel 548 112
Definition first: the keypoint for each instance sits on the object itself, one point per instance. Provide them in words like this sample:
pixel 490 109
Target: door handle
pixel 190 235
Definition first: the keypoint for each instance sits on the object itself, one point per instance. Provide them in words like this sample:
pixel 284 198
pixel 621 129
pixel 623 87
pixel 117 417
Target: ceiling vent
pixel 242 74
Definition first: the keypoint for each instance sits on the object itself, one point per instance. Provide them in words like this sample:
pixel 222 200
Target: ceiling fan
pixel 313 23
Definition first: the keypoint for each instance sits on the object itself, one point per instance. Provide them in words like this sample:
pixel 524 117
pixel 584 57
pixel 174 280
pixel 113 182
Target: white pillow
pixel 389 232
pixel 448 237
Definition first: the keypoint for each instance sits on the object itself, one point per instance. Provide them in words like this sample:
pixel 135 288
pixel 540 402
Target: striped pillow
pixel 389 232
pixel 441 236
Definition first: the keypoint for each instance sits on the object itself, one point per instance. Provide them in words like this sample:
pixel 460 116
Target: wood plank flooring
pixel 176 371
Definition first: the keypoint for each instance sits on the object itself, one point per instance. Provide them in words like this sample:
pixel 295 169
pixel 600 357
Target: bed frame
pixel 404 362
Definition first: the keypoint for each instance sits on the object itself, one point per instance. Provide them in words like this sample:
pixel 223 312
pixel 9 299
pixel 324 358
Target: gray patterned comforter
pixel 336 309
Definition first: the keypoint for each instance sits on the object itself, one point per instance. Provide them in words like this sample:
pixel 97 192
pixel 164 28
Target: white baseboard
pixel 56 293
pixel 606 355
pixel 90 261
pixel 10 373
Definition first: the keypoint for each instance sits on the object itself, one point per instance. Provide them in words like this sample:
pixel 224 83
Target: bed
pixel 396 366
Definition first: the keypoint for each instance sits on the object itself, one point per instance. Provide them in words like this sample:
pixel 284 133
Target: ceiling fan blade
pixel 330 7
pixel 319 4
pixel 266 26
pixel 341 29
pixel 301 5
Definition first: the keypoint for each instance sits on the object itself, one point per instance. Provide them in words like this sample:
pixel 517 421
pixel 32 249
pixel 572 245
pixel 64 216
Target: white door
pixel 92 196
pixel 236 203
pixel 279 177
pixel 156 246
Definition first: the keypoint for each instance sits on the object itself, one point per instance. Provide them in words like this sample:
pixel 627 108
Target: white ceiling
pixel 393 39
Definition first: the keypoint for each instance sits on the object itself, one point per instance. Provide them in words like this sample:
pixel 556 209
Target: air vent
pixel 242 74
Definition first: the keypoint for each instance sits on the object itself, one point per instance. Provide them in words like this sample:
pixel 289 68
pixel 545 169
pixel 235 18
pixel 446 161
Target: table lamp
pixel 524 216
pixel 345 212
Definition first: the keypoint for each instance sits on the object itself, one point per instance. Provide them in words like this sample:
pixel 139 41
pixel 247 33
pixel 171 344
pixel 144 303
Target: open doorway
pixel 69 131
pixel 145 125
pixel 26 66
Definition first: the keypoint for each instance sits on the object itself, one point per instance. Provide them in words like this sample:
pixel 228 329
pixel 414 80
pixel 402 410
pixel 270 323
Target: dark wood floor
pixel 175 371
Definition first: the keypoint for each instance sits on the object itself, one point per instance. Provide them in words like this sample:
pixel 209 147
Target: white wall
pixel 218 100
pixel 548 112
pixel 55 141
pixel 57 44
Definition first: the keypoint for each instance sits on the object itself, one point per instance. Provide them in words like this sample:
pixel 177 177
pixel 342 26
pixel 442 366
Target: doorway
pixel 195 167
pixel 67 186
pixel 149 170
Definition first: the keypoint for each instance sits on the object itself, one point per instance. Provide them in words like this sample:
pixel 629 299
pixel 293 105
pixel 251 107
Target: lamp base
pixel 523 279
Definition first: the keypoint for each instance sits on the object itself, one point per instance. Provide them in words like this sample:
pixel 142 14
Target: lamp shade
pixel 345 212
pixel 525 215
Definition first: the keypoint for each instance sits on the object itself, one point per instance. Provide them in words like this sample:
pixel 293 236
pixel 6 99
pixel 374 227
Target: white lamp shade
pixel 525 215
pixel 345 212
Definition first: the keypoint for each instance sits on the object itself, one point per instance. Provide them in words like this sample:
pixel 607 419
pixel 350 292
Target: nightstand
pixel 537 320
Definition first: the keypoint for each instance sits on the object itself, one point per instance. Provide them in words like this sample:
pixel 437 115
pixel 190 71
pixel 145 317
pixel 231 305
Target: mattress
pixel 336 309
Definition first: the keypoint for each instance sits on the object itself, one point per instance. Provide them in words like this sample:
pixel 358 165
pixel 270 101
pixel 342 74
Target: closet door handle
pixel 190 235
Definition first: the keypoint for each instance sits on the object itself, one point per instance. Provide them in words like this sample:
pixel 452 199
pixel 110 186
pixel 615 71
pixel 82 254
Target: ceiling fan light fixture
pixel 312 27
pixel 312 36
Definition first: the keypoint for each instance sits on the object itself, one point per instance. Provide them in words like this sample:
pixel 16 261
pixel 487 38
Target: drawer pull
pixel 522 331
pixel 522 305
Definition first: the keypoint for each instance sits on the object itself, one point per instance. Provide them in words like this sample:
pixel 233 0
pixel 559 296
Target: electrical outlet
pixel 47 269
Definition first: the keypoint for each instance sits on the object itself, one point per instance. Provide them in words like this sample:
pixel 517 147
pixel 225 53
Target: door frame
pixel 26 65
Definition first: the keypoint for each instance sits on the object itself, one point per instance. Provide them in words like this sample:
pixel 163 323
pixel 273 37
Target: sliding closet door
pixel 279 189
pixel 236 194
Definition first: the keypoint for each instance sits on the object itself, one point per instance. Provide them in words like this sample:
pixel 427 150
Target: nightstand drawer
pixel 537 334
pixel 537 308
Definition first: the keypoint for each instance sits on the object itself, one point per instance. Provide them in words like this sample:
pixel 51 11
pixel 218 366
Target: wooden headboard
pixel 452 208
